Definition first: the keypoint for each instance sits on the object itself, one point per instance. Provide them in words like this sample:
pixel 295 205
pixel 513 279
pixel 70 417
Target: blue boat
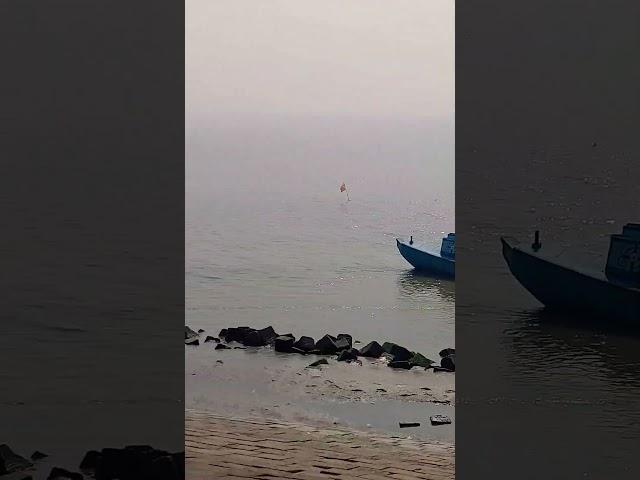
pixel 612 293
pixel 441 263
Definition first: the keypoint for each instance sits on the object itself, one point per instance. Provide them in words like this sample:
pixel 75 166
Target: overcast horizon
pixel 295 96
pixel 300 57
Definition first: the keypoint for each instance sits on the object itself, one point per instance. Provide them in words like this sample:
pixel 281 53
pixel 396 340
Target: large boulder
pixel 345 337
pixel 284 343
pixel 178 460
pixel 90 460
pixel 447 351
pixel 268 334
pixel 419 360
pixel 163 468
pixel 136 462
pixel 348 355
pixel 326 345
pixel 189 333
pixel 306 344
pixel 58 473
pixel 398 352
pixel 38 455
pixel 260 338
pixel 12 462
pixel 343 343
pixel 449 362
pixel 372 350
pixel 236 334
pixel 253 339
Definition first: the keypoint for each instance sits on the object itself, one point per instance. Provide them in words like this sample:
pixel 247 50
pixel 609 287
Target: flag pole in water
pixel 343 188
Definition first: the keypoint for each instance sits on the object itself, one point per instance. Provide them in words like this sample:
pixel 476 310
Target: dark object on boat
pixel 408 424
pixel 536 245
pixel 623 260
pixel 439 420
pixel 423 260
pixel 614 293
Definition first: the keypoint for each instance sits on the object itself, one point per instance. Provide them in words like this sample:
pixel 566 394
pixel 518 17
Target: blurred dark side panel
pixel 92 242
pixel 548 108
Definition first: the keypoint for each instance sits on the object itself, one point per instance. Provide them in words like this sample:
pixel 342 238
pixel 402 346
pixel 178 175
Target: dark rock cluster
pixel 134 462
pixel 139 462
pixel 448 359
pixel 341 345
pixel 11 462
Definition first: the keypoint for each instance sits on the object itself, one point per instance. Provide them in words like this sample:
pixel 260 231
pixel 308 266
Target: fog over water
pixel 286 100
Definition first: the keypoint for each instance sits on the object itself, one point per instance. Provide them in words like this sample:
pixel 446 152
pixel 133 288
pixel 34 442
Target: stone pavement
pixel 230 448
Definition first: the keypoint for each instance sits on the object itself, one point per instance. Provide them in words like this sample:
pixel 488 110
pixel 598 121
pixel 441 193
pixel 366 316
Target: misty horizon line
pixel 338 114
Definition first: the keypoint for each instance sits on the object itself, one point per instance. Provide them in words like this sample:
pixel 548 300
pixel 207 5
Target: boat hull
pixel 427 262
pixel 561 288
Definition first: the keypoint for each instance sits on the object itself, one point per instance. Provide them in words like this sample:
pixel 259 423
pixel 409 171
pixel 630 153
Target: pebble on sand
pixel 408 424
pixel 439 420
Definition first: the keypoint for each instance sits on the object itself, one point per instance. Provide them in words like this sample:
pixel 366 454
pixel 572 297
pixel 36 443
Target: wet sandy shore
pixel 261 383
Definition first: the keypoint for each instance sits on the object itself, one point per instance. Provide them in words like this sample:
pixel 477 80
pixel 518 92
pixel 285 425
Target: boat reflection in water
pixel 414 284
pixel 572 379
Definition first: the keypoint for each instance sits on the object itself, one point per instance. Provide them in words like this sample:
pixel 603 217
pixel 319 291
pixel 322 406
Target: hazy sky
pixel 292 97
pixel 320 57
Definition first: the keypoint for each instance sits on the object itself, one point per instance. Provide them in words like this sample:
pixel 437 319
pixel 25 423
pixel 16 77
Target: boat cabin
pixel 448 249
pixel 623 261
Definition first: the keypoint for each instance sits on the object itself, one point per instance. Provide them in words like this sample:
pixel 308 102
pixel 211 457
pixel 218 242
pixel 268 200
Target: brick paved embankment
pixel 223 448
